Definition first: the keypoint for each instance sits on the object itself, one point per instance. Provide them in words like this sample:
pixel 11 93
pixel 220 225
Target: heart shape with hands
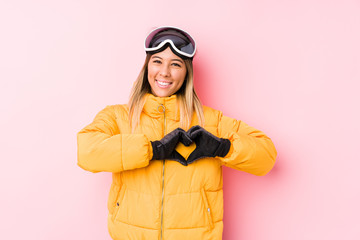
pixel 207 145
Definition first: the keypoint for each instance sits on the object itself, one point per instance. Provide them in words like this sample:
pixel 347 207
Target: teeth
pixel 163 83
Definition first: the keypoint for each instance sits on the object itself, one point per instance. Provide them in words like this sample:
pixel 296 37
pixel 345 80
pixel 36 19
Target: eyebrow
pixel 174 59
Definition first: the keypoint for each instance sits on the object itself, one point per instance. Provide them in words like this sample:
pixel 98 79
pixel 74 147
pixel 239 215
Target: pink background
pixel 288 68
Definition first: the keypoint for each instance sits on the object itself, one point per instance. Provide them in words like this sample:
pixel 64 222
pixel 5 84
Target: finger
pixel 174 135
pixel 184 163
pixel 185 139
pixel 196 133
pixel 209 134
pixel 196 154
pixel 178 130
pixel 190 161
pixel 180 159
pixel 170 137
pixel 179 134
pixel 194 128
pixel 171 143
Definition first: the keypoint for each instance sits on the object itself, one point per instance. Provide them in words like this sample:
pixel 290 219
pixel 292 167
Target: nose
pixel 165 71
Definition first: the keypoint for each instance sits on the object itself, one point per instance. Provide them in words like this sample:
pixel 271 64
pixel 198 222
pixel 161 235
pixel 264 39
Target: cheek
pixel 182 81
pixel 152 71
pixel 149 73
pixel 181 76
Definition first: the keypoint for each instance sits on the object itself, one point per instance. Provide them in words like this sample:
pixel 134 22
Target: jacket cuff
pixel 223 148
pixel 137 152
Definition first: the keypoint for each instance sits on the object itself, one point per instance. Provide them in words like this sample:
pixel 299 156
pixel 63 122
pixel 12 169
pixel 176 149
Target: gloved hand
pixel 165 148
pixel 207 145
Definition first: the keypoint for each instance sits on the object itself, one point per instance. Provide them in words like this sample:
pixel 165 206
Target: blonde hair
pixel 188 101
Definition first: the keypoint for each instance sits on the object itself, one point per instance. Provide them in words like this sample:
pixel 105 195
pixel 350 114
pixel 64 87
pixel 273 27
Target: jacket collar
pixel 154 106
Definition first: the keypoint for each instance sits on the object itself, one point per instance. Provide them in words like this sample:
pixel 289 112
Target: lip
pixel 163 86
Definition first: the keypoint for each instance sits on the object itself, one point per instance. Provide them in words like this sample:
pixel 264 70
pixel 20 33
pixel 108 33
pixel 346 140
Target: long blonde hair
pixel 187 98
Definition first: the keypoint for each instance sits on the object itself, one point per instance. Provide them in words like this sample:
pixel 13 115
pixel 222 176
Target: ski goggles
pixel 180 41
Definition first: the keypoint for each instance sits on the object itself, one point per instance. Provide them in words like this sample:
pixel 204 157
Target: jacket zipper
pixel 163 176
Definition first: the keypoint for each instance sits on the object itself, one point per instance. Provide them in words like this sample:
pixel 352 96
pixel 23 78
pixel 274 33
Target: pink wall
pixel 289 68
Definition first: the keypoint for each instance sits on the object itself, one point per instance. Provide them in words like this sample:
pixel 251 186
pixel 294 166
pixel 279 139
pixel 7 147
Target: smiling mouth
pixel 163 84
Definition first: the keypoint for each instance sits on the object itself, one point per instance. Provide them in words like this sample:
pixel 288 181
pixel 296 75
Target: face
pixel 166 73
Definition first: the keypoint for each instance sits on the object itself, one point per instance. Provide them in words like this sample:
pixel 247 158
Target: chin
pixel 162 94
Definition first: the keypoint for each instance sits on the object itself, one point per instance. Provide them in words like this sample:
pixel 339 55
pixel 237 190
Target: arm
pixel 101 146
pixel 251 150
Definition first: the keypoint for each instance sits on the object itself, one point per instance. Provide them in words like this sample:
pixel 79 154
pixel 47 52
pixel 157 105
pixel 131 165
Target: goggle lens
pixel 180 44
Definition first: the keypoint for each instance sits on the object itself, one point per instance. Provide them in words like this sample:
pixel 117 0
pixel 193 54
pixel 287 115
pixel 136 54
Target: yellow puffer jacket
pixel 162 199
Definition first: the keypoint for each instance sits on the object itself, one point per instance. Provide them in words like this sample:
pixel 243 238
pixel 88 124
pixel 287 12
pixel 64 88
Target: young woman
pixel 166 151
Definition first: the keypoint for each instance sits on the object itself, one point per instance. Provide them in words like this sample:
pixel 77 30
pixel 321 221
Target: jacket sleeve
pixel 251 150
pixel 102 148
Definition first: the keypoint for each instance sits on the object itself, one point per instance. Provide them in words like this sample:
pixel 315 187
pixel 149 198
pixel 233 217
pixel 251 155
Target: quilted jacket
pixel 162 199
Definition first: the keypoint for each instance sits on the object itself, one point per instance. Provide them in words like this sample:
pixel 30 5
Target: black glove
pixel 207 145
pixel 165 148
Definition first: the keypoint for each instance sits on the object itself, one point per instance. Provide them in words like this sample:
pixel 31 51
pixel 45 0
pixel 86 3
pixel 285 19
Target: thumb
pixel 196 154
pixel 185 139
pixel 177 157
pixel 194 128
pixel 196 133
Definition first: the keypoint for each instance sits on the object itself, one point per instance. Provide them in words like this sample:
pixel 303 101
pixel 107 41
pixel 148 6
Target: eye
pixel 156 61
pixel 176 65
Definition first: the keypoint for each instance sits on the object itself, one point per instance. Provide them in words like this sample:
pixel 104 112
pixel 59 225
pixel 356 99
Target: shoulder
pixel 120 108
pixel 116 110
pixel 211 115
pixel 210 111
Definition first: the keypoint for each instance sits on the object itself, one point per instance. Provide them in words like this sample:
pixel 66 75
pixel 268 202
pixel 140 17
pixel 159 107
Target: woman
pixel 166 151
